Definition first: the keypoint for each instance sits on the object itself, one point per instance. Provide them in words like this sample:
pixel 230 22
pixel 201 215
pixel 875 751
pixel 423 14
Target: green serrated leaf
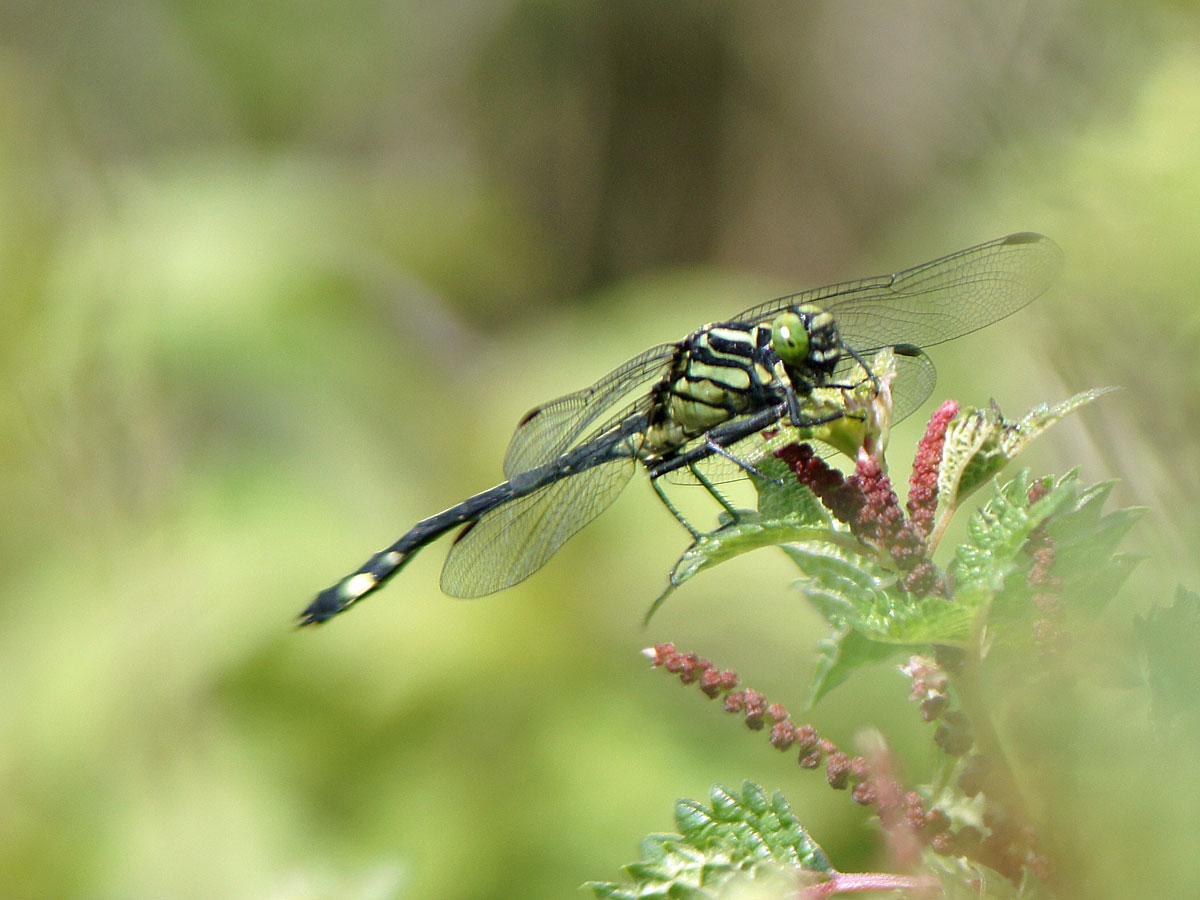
pixel 964 458
pixel 739 835
pixel 609 890
pixel 1168 637
pixel 1089 569
pixel 726 806
pixel 751 532
pixel 848 572
pixel 981 442
pixel 786 498
pixel 692 818
pixel 840 655
pixel 653 847
pixel 852 593
pixel 1035 422
pixel 997 532
pixel 1086 565
pixel 1081 521
pixel 991 568
pixel 754 798
pixel 644 871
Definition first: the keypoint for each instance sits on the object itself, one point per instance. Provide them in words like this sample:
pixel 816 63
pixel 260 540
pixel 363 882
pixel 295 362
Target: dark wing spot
pixel 462 534
pixel 1024 237
pixel 527 418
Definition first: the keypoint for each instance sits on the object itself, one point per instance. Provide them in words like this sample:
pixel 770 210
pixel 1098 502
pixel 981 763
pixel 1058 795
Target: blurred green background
pixel 278 279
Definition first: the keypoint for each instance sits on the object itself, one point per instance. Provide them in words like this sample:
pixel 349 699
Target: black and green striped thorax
pixel 730 368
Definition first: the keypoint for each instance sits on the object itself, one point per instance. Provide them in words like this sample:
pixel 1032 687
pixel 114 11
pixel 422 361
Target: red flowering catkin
pixel 867 503
pixel 922 484
pixel 829 485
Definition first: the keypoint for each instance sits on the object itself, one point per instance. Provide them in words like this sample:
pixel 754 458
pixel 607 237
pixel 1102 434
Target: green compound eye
pixel 789 338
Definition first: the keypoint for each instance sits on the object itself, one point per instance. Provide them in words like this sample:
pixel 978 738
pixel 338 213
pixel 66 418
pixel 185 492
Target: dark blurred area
pixel 280 279
pixel 783 137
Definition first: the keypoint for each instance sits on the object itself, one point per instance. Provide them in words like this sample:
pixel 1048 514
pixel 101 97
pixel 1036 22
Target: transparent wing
pixel 719 469
pixel 936 301
pixel 913 383
pixel 513 541
pixel 549 430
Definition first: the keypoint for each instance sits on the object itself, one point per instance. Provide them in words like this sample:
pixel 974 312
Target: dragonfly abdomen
pixel 622 443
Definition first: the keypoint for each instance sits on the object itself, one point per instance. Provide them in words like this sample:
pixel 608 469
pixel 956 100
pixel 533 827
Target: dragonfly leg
pixel 740 463
pixel 794 410
pixel 862 362
pixel 662 495
pixel 712 489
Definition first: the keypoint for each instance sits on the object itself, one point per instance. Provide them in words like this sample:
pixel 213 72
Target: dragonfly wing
pixel 913 382
pixel 935 301
pixel 513 541
pixel 549 430
pixel 719 469
pixel 951 296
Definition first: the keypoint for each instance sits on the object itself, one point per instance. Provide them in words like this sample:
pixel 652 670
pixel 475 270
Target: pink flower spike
pixel 922 485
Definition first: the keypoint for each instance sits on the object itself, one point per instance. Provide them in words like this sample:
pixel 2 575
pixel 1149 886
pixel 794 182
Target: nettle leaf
pixel 781 495
pixel 981 442
pixel 852 592
pixel 743 836
pixel 1085 517
pixel 788 512
pixel 1085 543
pixel 839 656
pixel 997 532
pixel 991 568
pixel 966 436
pixel 873 618
pixel 1168 636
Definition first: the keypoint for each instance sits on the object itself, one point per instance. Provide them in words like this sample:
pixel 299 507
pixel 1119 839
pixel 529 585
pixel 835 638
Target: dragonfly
pixel 695 405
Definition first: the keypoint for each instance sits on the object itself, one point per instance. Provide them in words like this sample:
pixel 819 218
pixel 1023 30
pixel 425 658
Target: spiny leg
pixel 696 535
pixel 740 463
pixel 712 489
pixel 707 484
pixel 866 368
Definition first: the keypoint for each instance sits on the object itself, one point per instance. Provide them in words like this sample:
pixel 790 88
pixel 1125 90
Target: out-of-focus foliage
pixel 277 281
pixel 741 838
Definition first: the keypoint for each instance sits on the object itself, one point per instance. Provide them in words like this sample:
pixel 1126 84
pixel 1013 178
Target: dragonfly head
pixel 805 339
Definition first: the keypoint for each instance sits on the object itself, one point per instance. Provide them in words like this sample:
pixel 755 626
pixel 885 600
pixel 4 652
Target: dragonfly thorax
pixel 733 368
pixel 718 372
